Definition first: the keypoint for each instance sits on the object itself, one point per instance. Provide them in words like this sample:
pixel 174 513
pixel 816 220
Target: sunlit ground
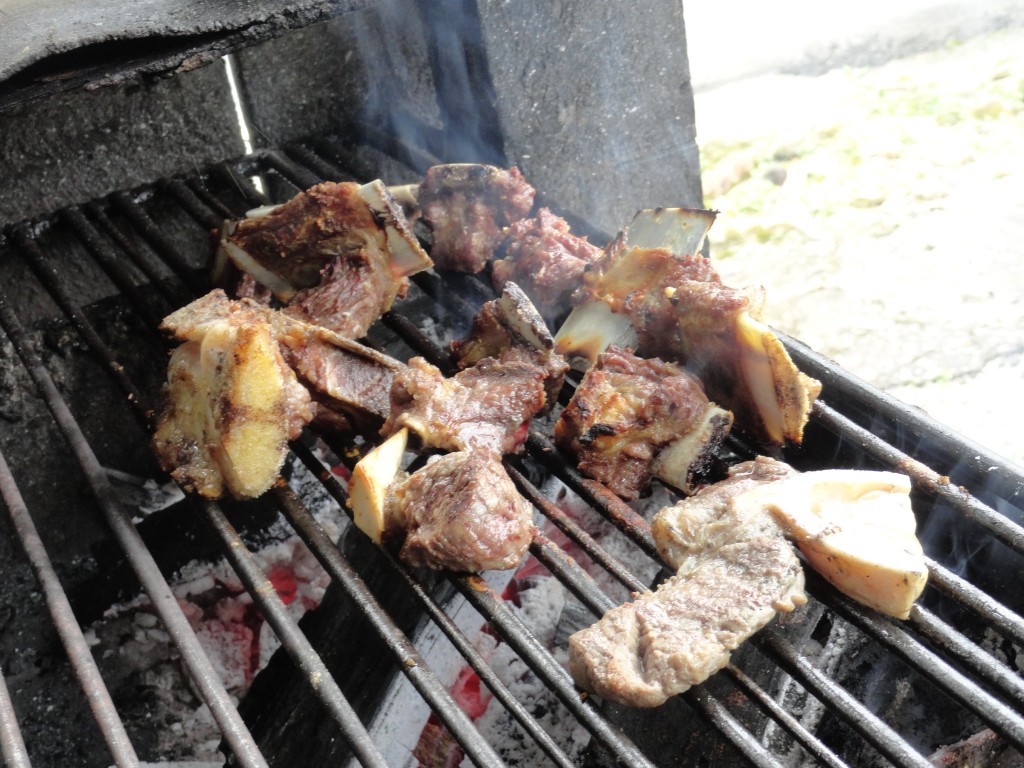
pixel 883 210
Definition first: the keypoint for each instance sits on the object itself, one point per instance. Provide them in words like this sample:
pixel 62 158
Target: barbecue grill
pixel 83 289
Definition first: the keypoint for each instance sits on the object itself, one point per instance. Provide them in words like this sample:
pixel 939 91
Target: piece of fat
pixel 857 529
pixel 680 230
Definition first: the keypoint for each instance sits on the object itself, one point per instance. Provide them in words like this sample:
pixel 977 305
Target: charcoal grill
pixel 82 291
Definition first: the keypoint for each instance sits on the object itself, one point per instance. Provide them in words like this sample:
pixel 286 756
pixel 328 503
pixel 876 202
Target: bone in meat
pixel 632 418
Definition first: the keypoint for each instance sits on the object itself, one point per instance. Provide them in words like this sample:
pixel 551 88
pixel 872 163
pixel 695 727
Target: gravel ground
pixel 883 210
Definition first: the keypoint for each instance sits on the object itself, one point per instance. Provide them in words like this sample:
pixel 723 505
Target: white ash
pixel 540 606
pixel 230 630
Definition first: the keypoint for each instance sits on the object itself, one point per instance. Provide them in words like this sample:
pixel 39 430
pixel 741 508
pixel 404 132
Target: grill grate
pixel 150 243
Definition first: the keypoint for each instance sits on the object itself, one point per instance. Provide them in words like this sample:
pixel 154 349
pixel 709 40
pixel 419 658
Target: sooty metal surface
pixel 833 684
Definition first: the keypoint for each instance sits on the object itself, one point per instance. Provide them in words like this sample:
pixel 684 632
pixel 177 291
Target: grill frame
pixel 116 249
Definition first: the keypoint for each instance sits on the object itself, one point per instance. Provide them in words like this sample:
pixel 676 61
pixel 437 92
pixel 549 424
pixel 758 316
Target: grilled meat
pixel 246 380
pixel 509 328
pixel 632 418
pixel 487 406
pixel 230 404
pixel 461 512
pixel 710 519
pixel 675 306
pixel 642 652
pixel 467 207
pixel 337 254
pixel 855 527
pixel 545 260
pixel 735 570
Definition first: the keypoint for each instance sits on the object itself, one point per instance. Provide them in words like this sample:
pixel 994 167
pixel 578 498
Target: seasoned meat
pixel 509 328
pixel 735 570
pixel 673 305
pixel 353 292
pixel 467 208
pixel 230 404
pixel 461 512
pixel 545 260
pixel 348 381
pixel 642 652
pixel 487 406
pixel 855 527
pixel 709 519
pixel 627 411
pixel 337 254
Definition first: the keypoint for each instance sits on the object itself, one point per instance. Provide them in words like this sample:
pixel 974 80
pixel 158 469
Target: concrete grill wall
pixel 592 102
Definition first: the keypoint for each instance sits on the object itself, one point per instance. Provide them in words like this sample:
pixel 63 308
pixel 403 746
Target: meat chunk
pixel 735 570
pixel 230 404
pixel 710 519
pixel 509 328
pixel 467 207
pixel 855 527
pixel 643 652
pixel 545 260
pixel 632 418
pixel 675 306
pixel 461 512
pixel 337 254
pixel 488 406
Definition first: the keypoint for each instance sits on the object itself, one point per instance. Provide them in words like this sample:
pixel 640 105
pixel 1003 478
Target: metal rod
pixel 12 746
pixel 201 670
pixel 737 736
pixel 924 478
pixel 173 294
pixel 995 614
pixel 525 643
pixel 305 525
pixel 575 532
pixel 790 724
pixel 45 271
pixel 874 730
pixel 407 657
pixel 295 643
pixel 64 621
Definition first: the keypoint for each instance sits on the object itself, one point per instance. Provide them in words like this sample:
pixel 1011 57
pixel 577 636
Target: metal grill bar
pixel 207 209
pixel 311 532
pixel 995 615
pixel 166 605
pixel 298 647
pixel 408 658
pixel 871 728
pixel 64 621
pixel 12 746
pixel 805 738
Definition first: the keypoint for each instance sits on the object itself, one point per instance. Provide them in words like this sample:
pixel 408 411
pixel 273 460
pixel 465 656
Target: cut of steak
pixel 545 260
pixel 509 328
pixel 642 652
pixel 467 207
pixel 627 411
pixel 461 512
